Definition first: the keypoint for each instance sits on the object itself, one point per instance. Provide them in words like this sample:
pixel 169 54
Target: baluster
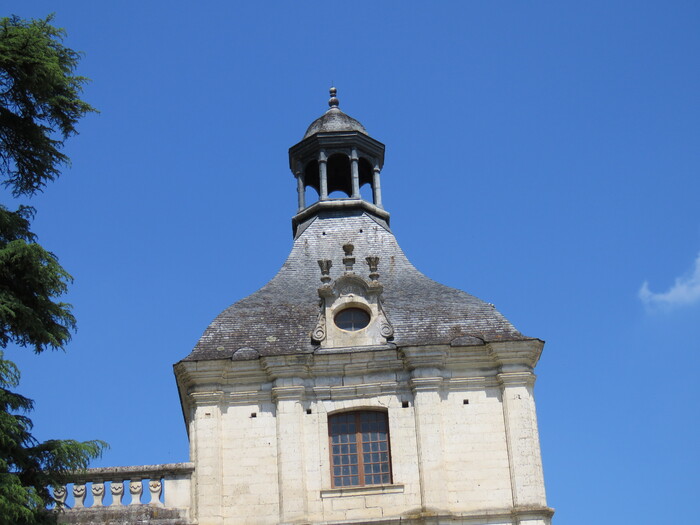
pixel 155 486
pixel 59 496
pixel 135 488
pixel 117 489
pixel 79 495
pixel 98 494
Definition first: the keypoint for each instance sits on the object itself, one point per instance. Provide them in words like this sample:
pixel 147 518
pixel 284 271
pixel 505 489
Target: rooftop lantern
pixel 337 155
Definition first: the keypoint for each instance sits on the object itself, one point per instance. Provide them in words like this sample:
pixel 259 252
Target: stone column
pixel 290 453
pixel 522 438
pixel 376 187
pixel 431 467
pixel 300 186
pixel 355 170
pixel 323 175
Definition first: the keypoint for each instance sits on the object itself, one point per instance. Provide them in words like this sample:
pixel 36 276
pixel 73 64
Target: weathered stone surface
pixel 133 514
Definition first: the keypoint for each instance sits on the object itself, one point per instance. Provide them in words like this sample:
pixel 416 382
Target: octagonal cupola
pixel 337 158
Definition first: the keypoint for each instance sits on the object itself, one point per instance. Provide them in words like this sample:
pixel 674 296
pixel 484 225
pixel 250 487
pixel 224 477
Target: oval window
pixel 352 319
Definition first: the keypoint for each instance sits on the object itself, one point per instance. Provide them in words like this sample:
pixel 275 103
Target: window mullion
pixel 360 449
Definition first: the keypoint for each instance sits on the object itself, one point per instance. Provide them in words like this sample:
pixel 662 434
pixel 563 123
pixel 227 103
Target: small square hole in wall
pixel 465 402
pixel 405 404
pixel 254 414
pixel 308 411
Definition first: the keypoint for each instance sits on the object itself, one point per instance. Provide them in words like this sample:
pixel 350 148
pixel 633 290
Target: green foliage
pixel 39 108
pixel 39 102
pixel 27 467
pixel 30 281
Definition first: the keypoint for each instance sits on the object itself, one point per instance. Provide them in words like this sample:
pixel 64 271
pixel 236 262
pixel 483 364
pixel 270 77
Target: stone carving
pixel 349 287
pixel 373 263
pixel 59 495
pixel 135 488
pixel 79 495
pixel 348 260
pixel 351 290
pixel 98 493
pixel 155 486
pixel 325 265
pixel 117 490
pixel 385 327
pixel 319 333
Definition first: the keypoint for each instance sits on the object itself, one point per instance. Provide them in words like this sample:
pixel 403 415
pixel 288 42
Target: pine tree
pixel 40 106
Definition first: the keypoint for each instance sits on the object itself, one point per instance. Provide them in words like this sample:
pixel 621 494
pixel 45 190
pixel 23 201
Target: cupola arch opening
pixel 339 160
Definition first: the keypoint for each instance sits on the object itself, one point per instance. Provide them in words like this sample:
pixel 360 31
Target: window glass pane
pixel 352 319
pixel 370 466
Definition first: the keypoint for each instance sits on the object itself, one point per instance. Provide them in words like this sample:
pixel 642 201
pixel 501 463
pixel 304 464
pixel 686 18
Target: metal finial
pixel 333 102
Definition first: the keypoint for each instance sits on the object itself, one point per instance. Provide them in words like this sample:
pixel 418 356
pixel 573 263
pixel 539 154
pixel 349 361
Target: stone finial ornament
pixel 373 263
pixel 348 260
pixel 333 102
pixel 325 265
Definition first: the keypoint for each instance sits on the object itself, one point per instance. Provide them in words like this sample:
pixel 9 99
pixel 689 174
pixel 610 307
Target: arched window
pixel 359 443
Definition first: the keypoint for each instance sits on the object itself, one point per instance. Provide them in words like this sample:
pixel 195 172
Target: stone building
pixel 350 388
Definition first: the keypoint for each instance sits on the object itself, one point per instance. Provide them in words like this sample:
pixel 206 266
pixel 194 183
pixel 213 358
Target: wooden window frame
pixel 357 414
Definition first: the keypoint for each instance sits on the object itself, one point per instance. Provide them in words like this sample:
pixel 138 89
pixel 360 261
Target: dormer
pixel 351 312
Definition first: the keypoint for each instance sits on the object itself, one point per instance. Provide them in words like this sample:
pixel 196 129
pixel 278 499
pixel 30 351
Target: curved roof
pixel 334 120
pixel 278 318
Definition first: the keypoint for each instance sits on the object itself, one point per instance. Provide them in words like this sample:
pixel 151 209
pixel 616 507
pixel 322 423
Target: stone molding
pixel 440 366
pixel 103 474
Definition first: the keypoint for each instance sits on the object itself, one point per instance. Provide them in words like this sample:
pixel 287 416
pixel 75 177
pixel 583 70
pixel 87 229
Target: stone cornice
pixel 420 368
pixel 524 354
pixel 282 393
pixel 516 378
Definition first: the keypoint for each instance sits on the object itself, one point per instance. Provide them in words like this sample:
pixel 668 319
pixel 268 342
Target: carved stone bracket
pixel 319 333
pixel 385 327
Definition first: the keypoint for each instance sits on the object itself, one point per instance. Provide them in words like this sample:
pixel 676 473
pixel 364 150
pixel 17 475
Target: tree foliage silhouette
pixel 40 106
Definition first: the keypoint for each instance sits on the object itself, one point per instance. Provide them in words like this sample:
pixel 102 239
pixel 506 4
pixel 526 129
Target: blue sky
pixel 543 156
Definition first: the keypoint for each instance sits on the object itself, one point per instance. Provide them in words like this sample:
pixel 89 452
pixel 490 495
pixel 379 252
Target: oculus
pixel 352 319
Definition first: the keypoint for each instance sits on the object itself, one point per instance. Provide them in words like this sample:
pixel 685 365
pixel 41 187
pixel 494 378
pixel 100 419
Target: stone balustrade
pixel 165 486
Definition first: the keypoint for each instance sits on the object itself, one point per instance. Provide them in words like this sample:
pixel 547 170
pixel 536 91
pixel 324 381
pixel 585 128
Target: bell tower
pixel 336 157
pixel 353 389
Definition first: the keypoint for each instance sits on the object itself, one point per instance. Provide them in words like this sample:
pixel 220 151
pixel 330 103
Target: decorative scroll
pixel 385 327
pixel 319 333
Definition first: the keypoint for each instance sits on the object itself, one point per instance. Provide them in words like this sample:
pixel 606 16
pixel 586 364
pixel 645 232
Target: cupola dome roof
pixel 334 120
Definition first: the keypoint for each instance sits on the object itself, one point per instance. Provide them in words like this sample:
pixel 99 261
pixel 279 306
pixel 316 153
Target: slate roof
pixel 334 120
pixel 278 318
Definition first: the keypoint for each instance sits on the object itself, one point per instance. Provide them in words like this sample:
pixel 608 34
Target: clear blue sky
pixel 544 156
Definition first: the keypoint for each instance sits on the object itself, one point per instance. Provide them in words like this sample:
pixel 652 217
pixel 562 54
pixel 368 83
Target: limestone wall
pixel 459 453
